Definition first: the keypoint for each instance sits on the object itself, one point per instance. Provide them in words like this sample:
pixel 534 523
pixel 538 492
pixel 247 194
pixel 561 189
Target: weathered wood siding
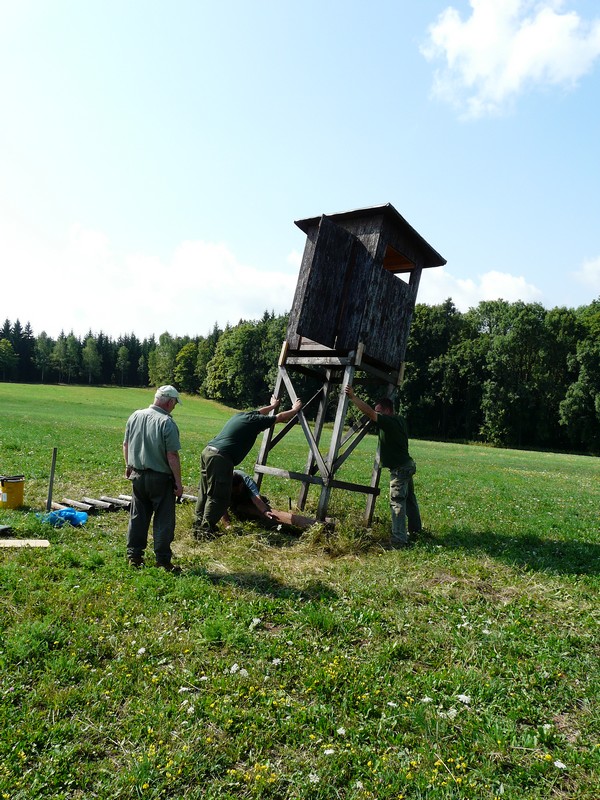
pixel 330 295
pixel 386 320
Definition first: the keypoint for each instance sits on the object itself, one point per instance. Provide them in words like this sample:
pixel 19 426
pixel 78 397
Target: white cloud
pixel 294 259
pixel 589 274
pixel 438 285
pixel 80 283
pixel 506 47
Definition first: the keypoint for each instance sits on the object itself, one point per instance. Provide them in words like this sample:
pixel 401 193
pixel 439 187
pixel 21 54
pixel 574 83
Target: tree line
pixel 507 374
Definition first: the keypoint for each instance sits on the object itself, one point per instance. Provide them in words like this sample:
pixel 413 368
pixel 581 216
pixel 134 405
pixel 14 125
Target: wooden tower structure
pixel 352 311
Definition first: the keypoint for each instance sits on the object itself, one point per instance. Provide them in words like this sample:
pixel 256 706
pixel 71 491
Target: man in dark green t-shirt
pixel 228 449
pixel 393 449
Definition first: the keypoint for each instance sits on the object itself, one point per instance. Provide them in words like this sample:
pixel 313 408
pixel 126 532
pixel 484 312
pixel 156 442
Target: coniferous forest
pixel 507 374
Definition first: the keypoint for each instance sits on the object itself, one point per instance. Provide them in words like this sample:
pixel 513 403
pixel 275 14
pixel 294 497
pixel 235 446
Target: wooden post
pixel 318 430
pixel 268 434
pixel 51 483
pixel 336 436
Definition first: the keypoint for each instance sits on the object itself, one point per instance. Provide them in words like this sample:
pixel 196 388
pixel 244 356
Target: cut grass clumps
pixel 312 665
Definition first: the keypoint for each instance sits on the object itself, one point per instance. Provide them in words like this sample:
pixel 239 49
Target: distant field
pixel 291 667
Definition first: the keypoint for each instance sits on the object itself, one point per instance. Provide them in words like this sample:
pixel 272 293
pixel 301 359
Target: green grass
pixel 316 667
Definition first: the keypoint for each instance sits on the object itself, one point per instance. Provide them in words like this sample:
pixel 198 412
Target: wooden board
pixel 24 543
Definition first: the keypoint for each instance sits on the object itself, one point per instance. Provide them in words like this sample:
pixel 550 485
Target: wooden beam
pixel 283 354
pixel 354 487
pixel 375 476
pixel 323 469
pixel 289 518
pixel 99 503
pixel 311 464
pixel 76 504
pixel 381 375
pixel 284 473
pixel 319 361
pixel 24 543
pixel 334 445
pixel 116 501
pixel 359 437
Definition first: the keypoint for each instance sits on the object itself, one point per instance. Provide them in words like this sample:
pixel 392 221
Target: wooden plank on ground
pixel 297 520
pixel 117 501
pixel 99 503
pixel 24 543
pixel 76 504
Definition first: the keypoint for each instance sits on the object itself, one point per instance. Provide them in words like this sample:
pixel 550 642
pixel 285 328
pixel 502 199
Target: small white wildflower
pixel 276 662
pixel 486 631
pixel 329 751
pixel 359 785
pixel 464 698
pixel 255 622
pixel 244 673
pixel 560 765
pixel 313 777
pixel 391 704
pixel 141 651
pixel 234 668
pixel 547 727
pixel 427 699
pixel 184 689
pixel 341 731
pixel 191 709
pixel 204 678
pixel 450 714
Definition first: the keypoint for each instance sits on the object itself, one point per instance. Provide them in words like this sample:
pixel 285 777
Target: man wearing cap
pixel 151 451
pixel 228 449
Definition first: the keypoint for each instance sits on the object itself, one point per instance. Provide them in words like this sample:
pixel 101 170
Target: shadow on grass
pixel 265 584
pixel 531 551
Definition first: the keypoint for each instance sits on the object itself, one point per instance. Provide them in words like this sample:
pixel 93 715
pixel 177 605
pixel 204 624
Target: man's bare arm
pixel 360 404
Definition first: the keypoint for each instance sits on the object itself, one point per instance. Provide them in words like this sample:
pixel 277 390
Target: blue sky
pixel 154 155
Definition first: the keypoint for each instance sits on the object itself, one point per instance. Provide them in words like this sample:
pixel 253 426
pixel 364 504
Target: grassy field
pixel 285 667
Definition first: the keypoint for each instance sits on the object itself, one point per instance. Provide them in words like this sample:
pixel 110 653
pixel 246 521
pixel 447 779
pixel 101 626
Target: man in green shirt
pixel 151 451
pixel 228 449
pixel 393 449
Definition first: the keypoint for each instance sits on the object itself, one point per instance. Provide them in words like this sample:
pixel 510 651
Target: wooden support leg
pixel 268 434
pixel 371 499
pixel 336 437
pixel 318 430
pixel 376 474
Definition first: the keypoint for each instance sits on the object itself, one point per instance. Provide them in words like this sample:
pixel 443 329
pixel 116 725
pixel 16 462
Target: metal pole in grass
pixel 51 484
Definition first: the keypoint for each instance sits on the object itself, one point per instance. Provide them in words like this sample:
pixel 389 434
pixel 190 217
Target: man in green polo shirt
pixel 151 451
pixel 393 449
pixel 228 449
